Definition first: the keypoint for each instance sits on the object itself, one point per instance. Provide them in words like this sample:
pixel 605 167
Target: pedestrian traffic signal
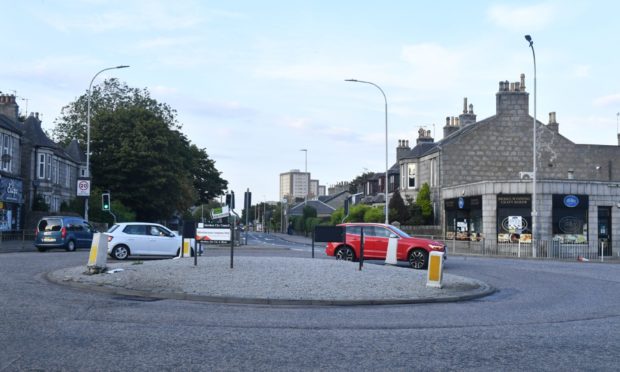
pixel 105 201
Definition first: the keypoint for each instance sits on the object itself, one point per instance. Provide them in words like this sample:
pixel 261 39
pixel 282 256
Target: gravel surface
pixel 272 278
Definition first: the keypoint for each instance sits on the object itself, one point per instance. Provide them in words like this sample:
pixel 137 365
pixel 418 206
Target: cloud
pixel 522 18
pixel 607 101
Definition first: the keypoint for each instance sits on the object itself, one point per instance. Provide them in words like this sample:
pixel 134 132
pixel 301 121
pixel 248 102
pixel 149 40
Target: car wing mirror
pixel 394 236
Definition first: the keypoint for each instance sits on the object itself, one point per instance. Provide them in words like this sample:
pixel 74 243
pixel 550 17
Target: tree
pixel 423 200
pixel 398 209
pixel 374 215
pixel 357 184
pixel 139 152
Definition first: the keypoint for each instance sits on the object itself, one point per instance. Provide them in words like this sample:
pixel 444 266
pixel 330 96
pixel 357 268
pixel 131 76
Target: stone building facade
pixel 32 164
pixel 480 175
pixel 11 182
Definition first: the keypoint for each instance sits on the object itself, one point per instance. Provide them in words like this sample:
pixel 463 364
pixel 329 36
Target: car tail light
pixel 63 232
pixel 110 237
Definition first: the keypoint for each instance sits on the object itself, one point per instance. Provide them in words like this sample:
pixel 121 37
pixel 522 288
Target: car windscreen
pixel 400 232
pixel 50 224
pixel 111 229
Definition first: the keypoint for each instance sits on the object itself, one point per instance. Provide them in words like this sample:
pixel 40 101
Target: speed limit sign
pixel 83 188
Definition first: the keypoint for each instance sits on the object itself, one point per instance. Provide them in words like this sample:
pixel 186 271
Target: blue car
pixel 65 232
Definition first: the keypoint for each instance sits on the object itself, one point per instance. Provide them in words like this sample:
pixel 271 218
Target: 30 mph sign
pixel 83 188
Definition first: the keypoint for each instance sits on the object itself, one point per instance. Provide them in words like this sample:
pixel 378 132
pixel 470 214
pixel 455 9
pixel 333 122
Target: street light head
pixel 350 80
pixel 529 39
pixel 122 66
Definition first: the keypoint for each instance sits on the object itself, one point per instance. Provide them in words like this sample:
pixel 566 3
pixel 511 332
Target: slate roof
pixel 75 152
pixel 8 124
pixel 35 134
pixel 322 209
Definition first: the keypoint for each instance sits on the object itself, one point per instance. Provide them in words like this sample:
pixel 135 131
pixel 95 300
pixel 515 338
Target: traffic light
pixel 105 201
pixel 230 200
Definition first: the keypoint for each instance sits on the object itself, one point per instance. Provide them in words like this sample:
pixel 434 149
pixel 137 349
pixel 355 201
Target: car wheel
pixel 418 259
pixel 120 252
pixel 345 253
pixel 70 246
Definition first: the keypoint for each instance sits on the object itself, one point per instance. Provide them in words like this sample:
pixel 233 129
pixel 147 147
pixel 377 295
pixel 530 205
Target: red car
pixel 376 237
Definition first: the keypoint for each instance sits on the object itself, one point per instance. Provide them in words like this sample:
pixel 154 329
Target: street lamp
pixel 88 130
pixel 386 141
pixel 534 211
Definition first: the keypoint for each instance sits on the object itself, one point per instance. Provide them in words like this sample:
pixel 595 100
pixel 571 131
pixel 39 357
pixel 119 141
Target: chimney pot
pixel 523 82
pixel 471 108
pixel 465 105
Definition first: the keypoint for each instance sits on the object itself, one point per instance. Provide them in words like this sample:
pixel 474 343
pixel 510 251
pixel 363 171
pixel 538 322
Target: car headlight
pixel 435 247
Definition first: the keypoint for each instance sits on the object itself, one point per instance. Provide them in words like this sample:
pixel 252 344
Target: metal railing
pixel 544 249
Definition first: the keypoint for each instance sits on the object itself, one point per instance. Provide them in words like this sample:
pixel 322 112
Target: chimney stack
pixel 402 149
pixel 553 124
pixel 9 107
pixel 467 117
pixel 512 99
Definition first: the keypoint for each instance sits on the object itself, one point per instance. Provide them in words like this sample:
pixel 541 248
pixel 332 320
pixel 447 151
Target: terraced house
pixel 33 164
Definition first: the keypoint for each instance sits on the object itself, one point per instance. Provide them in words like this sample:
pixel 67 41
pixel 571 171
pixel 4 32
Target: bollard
pixel 435 270
pixel 390 257
pixel 187 247
pixel 98 253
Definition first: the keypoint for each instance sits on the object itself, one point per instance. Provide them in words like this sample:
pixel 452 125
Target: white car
pixel 142 239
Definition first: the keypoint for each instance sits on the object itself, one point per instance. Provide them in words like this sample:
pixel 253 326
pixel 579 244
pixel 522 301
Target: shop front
pixel 10 203
pixel 514 218
pixel 463 218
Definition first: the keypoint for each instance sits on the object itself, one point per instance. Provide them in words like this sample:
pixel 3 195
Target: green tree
pixel 139 152
pixel 398 209
pixel 374 215
pixel 423 200
pixel 357 184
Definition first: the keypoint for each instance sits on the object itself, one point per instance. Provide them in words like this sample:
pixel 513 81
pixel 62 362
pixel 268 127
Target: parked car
pixel 142 239
pixel 66 232
pixel 376 237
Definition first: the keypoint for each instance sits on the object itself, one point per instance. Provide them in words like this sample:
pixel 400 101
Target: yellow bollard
pixel 98 253
pixel 435 270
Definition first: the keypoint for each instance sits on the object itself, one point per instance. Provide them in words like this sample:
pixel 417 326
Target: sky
pixel 254 82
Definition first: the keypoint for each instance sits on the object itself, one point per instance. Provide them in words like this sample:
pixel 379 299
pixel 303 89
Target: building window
pixel 434 173
pixel 7 150
pixel 411 173
pixel 48 166
pixel 67 175
pixel 41 166
pixel 570 218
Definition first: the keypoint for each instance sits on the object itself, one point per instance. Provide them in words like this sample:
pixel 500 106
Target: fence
pixel 549 249
pixel 15 241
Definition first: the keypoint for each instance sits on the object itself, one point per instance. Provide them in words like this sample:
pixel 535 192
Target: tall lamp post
pixel 306 173
pixel 88 131
pixel 386 141
pixel 534 211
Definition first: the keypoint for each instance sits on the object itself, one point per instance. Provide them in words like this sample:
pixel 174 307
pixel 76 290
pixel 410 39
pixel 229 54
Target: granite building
pixel 480 176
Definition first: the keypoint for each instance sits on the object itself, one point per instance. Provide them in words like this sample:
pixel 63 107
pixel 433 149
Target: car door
pixel 134 236
pixel 162 241
pixel 376 241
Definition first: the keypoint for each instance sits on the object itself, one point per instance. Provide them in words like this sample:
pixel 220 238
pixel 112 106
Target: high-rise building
pixel 294 184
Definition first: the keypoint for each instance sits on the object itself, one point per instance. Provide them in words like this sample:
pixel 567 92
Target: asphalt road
pixel 545 316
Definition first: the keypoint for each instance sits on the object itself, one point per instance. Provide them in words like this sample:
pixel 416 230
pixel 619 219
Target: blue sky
pixel 254 82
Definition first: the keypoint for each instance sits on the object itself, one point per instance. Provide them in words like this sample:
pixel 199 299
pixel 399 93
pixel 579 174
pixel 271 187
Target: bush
pixel 374 215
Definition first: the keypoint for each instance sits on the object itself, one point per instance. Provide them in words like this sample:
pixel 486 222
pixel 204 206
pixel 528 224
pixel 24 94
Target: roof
pixel 35 134
pixel 8 124
pixel 321 208
pixel 75 152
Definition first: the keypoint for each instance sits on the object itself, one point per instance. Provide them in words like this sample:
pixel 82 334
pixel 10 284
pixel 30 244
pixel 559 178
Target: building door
pixel 604 230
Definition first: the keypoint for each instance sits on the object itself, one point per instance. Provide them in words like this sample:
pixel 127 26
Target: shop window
pixel 464 218
pixel 570 218
pixel 514 218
